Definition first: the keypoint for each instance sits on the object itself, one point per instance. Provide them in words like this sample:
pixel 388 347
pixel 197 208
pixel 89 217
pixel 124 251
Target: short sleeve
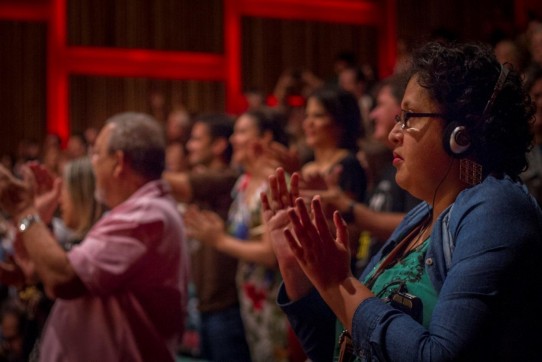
pixel 114 251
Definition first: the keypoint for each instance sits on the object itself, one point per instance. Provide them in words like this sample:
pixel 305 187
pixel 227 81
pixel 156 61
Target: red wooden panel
pixel 232 49
pixel 387 35
pixel 20 11
pixel 352 12
pixel 62 60
pixel 144 63
pixel 57 77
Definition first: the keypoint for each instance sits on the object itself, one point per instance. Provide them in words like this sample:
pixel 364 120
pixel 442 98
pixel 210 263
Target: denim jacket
pixel 484 260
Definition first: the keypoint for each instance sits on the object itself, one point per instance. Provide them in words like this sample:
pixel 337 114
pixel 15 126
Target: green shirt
pixel 409 274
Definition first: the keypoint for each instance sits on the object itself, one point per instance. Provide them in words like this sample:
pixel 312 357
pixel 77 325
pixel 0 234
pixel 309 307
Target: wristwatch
pixel 26 222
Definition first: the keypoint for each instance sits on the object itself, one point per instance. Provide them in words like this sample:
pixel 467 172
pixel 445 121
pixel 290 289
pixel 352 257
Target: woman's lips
pixel 397 159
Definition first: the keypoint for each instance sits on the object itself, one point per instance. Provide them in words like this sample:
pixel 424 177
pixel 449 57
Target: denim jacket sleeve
pixel 313 322
pixel 496 229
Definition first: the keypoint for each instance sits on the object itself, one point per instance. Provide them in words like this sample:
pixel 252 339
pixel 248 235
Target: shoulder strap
pixel 448 243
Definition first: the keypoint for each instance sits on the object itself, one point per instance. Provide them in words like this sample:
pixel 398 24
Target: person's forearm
pixel 252 251
pixel 181 188
pixel 50 261
pixel 296 283
pixel 380 224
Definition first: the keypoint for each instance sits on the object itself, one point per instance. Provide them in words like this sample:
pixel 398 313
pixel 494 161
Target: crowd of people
pixel 351 219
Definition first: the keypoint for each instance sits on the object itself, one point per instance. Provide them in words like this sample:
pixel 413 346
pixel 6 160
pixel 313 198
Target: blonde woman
pixel 78 207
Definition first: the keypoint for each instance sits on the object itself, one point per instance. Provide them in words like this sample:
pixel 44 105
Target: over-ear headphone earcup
pixel 456 140
pixel 459 140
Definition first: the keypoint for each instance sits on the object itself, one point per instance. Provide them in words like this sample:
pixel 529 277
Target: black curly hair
pixel 461 79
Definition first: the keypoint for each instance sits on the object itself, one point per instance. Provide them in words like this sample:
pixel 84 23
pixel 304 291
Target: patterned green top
pixel 265 323
pixel 409 275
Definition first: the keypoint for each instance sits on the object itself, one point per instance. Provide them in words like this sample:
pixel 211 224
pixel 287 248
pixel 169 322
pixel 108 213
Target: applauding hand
pixel 275 215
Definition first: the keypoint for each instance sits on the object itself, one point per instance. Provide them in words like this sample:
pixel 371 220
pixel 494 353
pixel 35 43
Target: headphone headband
pixel 496 90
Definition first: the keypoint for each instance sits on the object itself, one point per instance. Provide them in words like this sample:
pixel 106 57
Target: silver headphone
pixel 459 141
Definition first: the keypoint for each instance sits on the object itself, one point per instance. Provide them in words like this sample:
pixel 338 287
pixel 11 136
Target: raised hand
pixel 18 269
pixel 332 196
pixel 47 189
pixel 287 158
pixel 16 195
pixel 43 179
pixel 324 259
pixel 274 210
pixel 275 216
pixel 205 226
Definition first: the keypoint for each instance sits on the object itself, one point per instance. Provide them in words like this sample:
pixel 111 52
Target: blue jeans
pixel 223 336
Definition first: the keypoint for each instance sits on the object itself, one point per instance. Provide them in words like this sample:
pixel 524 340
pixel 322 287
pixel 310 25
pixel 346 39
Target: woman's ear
pixel 267 137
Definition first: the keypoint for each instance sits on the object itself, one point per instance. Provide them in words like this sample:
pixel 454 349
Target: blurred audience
pixel 76 146
pixel 208 186
pixel 79 212
pixel 12 329
pixel 533 175
pixel 507 51
pixel 338 140
pixel 332 129
pixel 244 236
pixel 177 132
pixel 353 80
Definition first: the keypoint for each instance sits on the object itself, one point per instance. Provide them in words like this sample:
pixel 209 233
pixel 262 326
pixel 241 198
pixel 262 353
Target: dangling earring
pixel 470 172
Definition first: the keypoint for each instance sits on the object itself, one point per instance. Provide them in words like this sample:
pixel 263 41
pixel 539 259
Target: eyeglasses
pixel 404 117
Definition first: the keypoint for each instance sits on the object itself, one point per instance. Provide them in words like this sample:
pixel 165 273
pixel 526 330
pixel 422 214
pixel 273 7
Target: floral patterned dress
pixel 265 324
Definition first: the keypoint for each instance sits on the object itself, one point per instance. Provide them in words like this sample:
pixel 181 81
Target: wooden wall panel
pixel 469 20
pixel 151 24
pixel 94 99
pixel 22 83
pixel 270 46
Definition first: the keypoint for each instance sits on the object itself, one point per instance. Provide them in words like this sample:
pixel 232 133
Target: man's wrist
pixel 24 212
pixel 26 222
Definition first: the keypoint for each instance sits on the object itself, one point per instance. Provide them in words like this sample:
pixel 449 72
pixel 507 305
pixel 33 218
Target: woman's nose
pixel 395 134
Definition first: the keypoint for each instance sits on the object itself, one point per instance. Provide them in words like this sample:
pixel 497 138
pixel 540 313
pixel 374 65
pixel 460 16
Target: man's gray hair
pixel 141 138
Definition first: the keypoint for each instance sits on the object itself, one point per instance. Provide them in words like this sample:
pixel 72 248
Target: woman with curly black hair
pixel 459 278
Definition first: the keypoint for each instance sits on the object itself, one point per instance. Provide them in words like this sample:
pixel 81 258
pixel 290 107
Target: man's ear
pixel 120 163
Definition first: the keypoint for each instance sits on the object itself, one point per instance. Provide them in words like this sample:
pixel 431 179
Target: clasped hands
pixel 38 189
pixel 204 225
pixel 302 240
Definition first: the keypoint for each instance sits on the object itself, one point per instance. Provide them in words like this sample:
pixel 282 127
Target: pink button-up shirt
pixel 135 267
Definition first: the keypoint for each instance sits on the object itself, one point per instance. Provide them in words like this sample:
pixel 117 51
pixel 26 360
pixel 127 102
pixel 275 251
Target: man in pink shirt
pixel 121 293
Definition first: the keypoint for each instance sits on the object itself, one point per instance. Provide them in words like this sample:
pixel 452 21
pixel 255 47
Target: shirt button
pixel 429 261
